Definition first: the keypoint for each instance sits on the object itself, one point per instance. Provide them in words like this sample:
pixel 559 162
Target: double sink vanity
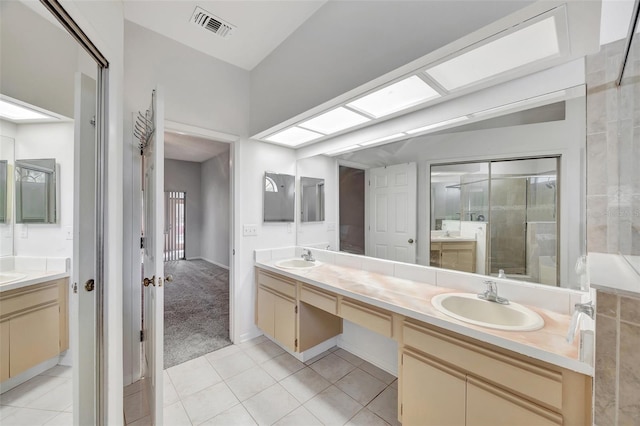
pixel 461 360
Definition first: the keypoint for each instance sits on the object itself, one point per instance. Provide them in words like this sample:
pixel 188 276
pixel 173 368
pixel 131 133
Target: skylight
pixel 530 44
pixel 293 136
pixel 395 97
pixel 334 121
pixel 14 112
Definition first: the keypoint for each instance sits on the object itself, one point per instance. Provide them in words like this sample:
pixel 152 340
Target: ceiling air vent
pixel 210 22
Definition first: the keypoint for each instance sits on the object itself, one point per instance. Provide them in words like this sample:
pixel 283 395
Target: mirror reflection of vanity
pixel 503 195
pixel 35 189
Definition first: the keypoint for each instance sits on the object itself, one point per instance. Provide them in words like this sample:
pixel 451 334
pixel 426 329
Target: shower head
pixel 550 184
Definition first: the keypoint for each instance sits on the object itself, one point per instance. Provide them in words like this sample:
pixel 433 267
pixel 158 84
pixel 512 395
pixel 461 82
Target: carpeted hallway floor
pixel 196 310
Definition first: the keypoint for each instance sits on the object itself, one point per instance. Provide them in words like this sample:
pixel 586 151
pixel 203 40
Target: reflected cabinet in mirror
pixel 279 197
pixel 312 199
pixel 497 218
pixel 36 191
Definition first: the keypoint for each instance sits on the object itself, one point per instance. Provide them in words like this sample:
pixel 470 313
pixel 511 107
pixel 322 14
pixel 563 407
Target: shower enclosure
pixel 514 201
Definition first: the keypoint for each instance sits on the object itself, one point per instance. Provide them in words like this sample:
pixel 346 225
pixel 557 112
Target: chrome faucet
pixel 580 308
pixel 491 294
pixel 306 255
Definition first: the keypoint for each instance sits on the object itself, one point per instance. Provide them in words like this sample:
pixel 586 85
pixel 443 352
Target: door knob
pixel 148 281
pixel 89 285
pixel 168 278
pixel 410 241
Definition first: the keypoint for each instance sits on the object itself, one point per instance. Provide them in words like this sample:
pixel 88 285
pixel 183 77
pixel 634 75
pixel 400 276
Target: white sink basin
pixel 296 264
pixel 467 307
pixel 9 277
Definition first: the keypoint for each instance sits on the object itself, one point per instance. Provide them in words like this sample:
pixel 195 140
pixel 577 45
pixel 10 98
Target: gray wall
pixel 215 210
pixel 185 176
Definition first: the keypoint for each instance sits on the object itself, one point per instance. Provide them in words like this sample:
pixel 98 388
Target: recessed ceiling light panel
pixel 293 136
pixel 334 121
pixel 532 43
pixel 14 112
pixel 395 97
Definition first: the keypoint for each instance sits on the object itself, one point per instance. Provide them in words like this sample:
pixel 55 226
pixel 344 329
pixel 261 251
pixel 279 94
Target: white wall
pixel 186 176
pixel 309 233
pixel 34 141
pixel 7 149
pixel 215 210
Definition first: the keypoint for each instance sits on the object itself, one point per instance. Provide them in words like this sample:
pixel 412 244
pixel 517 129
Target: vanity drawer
pixel 318 298
pixel 379 321
pixel 15 301
pixel 521 377
pixel 280 284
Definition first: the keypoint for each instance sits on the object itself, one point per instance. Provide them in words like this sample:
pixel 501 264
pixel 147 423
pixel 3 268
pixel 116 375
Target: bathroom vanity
pixel 449 372
pixel 34 320
pixel 454 253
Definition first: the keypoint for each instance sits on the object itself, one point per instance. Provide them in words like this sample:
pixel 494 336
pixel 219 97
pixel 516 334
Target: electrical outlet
pixel 250 230
pixel 24 231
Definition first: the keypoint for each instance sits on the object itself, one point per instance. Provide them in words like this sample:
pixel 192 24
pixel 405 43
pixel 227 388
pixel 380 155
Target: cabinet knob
pixel 148 281
pixel 410 241
pixel 90 285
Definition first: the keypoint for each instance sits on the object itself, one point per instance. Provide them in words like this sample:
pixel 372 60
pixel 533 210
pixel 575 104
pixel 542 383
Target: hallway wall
pixel 185 176
pixel 215 210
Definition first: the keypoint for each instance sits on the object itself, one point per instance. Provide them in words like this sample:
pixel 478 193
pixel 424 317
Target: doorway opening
pixel 352 209
pixel 175 223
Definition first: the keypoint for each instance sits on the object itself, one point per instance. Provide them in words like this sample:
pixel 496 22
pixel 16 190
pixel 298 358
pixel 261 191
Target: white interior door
pixel 153 264
pixel 83 295
pixel 392 212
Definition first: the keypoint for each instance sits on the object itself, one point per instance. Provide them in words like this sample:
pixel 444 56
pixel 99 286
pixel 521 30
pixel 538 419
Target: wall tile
pixel 378 266
pixel 605 371
pixel 596 164
pixel 607 304
pixel 630 311
pixel 597 223
pixel 415 273
pixel 629 404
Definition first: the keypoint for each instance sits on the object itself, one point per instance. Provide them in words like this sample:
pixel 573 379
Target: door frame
pixel 132 350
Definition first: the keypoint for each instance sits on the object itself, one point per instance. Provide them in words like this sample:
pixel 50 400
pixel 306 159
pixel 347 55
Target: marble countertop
pixel 413 300
pixel 31 278
pixel 444 239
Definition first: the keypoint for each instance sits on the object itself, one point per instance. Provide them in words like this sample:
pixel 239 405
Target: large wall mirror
pixel 504 194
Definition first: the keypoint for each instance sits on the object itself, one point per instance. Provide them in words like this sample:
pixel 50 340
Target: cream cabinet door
pixel 285 322
pixel 432 394
pixel 34 338
pixel 490 406
pixel 4 351
pixel 266 312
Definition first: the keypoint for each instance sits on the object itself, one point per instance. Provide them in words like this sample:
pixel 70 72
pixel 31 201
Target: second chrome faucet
pixel 491 293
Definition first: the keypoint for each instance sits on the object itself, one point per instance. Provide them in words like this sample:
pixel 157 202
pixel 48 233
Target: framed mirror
pixel 312 199
pixel 36 191
pixel 279 197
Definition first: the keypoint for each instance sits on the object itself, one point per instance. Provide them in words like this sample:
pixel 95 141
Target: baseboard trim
pixel 245 337
pixel 29 374
pixel 214 263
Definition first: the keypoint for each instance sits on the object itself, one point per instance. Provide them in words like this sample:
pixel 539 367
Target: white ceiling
pixel 261 25
pixel 191 148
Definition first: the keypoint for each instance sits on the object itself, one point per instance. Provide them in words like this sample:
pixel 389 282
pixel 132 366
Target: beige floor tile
pixel 348 356
pixel 136 407
pixel 394 384
pixel 318 357
pixel 133 388
pixel 332 406
pixel 250 383
pixel 361 386
pixel 31 390
pixel 209 402
pixel 305 384
pixel 232 365
pixel 264 351
pixel 62 419
pixel 271 405
pixel 175 415
pixel 234 416
pixel 298 417
pixel 63 371
pixel 170 395
pixel 193 376
pixel 6 410
pixel 366 418
pixel 222 353
pixel 57 399
pixel 332 367
pixel 378 373
pixel 385 405
pixel 252 342
pixel 28 417
pixel 282 366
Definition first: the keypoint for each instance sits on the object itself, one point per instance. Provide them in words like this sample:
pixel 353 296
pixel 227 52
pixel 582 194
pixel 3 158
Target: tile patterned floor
pixel 44 400
pixel 258 383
